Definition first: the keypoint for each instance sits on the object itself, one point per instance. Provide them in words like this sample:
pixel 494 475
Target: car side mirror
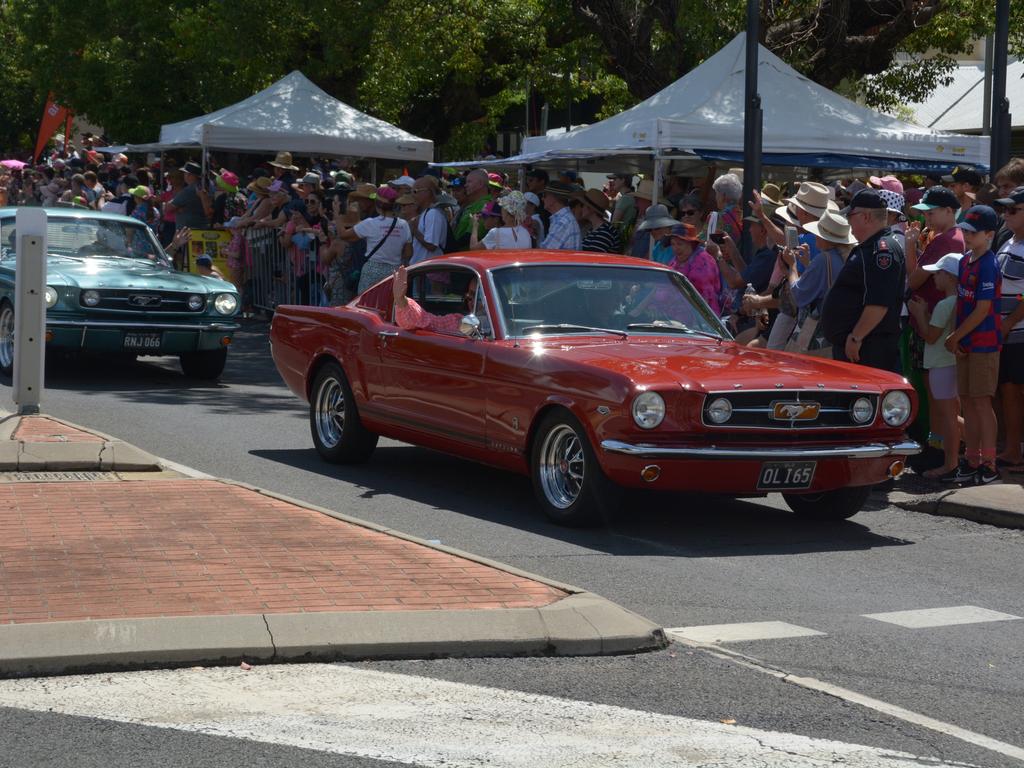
pixel 469 326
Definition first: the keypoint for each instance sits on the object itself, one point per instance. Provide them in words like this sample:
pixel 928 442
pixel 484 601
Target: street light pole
pixel 1000 104
pixel 751 123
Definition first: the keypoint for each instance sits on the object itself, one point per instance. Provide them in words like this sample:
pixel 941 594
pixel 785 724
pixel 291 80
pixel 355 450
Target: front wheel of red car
pixel 338 432
pixel 840 504
pixel 567 480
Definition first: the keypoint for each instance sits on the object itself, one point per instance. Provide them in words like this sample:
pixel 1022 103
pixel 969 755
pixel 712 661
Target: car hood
pixel 704 365
pixel 116 273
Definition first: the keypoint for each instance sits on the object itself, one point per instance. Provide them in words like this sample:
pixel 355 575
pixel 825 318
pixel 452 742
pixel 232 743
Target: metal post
pixel 751 124
pixel 986 117
pixel 1000 104
pixel 29 309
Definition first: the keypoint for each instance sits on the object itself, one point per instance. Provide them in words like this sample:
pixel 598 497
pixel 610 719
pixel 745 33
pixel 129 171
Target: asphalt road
pixel 682 561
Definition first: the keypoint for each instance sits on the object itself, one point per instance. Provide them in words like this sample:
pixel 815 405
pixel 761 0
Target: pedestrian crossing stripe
pixel 930 618
pixel 744 632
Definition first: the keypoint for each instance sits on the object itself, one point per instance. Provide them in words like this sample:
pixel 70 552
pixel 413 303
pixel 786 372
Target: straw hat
pixel 812 197
pixel 284 160
pixel 364 191
pixel 595 198
pixel 260 186
pixel 771 194
pixel 833 228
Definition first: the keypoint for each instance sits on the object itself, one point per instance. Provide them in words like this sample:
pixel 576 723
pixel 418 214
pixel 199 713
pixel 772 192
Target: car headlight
pixel 50 294
pixel 896 408
pixel 226 303
pixel 719 411
pixel 862 410
pixel 90 298
pixel 196 302
pixel 648 410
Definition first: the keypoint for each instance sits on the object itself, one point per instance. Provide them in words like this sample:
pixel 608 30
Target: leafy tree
pixel 21 107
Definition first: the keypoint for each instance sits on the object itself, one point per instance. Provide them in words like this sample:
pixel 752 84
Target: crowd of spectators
pixel 919 275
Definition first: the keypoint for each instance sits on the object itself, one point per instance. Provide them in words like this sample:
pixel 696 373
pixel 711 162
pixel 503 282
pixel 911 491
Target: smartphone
pixel 717 237
pixel 712 223
pixel 792 238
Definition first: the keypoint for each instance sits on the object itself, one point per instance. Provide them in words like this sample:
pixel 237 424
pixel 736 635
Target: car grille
pixel 131 300
pixel 790 409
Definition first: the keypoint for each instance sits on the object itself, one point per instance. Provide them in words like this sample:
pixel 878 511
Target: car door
pixel 433 380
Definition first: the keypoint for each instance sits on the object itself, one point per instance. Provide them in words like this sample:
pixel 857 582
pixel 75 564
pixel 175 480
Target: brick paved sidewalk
pixel 113 550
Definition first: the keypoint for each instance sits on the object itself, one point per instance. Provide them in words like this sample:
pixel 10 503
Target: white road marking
pixel 737 633
pixel 420 721
pixel 941 617
pixel 892 710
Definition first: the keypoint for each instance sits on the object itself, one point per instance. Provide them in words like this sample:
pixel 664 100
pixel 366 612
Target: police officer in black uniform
pixel 861 314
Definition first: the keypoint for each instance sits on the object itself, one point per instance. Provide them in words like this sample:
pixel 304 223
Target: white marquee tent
pixel 960 105
pixel 295 115
pixel 804 123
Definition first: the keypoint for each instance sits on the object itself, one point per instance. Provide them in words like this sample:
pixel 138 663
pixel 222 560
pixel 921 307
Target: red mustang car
pixel 589 373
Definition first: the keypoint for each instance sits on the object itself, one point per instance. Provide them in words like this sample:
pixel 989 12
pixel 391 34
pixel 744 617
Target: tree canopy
pixel 452 70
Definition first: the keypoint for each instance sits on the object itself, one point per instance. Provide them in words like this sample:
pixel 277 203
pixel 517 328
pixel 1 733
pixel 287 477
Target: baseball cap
pixel 866 198
pixel 205 260
pixel 966 175
pixel 1015 198
pixel 890 183
pixel 532 198
pixel 979 218
pixel 938 197
pixel 949 263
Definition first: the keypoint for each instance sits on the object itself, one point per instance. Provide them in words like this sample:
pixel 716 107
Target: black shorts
pixel 1011 364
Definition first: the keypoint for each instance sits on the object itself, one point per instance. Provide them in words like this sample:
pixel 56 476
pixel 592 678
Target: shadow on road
pixel 674 525
pixel 250 383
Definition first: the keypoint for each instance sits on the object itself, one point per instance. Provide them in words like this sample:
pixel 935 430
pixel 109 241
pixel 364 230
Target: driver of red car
pixel 411 316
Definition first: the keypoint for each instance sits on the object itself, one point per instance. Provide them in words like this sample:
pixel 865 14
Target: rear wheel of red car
pixel 567 480
pixel 338 432
pixel 840 504
pixel 208 364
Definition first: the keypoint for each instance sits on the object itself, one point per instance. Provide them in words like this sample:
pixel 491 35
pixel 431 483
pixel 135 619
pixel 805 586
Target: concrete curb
pixel 581 624
pixel 1001 505
pixel 111 455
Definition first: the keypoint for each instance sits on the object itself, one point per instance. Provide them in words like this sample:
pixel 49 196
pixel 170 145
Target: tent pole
pixel 658 183
pixel 373 171
pixel 751 125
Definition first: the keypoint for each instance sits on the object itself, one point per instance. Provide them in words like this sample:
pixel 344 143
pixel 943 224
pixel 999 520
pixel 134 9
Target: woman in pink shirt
pixel 689 258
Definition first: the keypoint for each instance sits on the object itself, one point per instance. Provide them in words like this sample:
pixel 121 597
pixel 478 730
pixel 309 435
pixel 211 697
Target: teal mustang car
pixel 110 288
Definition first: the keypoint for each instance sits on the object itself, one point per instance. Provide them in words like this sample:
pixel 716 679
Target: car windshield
pixel 598 299
pixel 90 238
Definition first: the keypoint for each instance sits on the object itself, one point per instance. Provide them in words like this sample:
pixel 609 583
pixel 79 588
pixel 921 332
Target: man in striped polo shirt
pixel 603 236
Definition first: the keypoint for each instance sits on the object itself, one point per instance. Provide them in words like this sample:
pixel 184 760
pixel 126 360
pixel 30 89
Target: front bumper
pixel 108 335
pixel 736 470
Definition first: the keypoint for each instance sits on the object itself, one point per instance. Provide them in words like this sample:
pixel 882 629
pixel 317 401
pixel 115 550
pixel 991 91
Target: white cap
pixel 949 263
pixel 532 198
pixel 402 181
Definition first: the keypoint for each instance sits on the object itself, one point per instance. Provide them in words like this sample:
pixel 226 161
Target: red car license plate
pixel 786 475
pixel 143 341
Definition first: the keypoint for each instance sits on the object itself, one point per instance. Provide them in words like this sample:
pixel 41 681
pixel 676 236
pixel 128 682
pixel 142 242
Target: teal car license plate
pixel 140 342
pixel 786 475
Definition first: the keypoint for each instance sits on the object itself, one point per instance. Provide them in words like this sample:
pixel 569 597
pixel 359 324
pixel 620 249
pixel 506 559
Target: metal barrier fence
pixel 279 275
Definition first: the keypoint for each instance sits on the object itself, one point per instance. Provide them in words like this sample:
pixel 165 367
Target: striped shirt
pixel 603 239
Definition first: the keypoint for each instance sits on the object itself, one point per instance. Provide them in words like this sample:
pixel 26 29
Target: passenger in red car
pixel 411 316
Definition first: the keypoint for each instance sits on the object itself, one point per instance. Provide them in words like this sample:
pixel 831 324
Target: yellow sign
pixel 212 243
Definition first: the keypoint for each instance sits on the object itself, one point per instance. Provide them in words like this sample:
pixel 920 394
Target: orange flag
pixel 53 116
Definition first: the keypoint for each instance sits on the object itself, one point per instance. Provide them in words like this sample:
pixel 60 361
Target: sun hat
pixel 832 227
pixel 686 232
pixel 980 218
pixel 514 204
pixel 444 200
pixel 644 190
pixel 284 160
pixel 813 198
pixel 364 192
pixel 949 263
pixel 595 198
pixel 771 194
pixel 402 181
pixel 656 217
pixel 405 199
pixel 495 180
pixel 559 189
pixel 192 167
pixel 386 193
pixel 260 185
pixel 890 183
pixel 139 191
pixel 938 197
pixel 894 201
pixel 226 180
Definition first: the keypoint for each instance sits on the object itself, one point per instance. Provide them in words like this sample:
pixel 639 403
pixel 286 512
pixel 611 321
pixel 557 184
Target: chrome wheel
pixel 329 416
pixel 7 338
pixel 562 466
